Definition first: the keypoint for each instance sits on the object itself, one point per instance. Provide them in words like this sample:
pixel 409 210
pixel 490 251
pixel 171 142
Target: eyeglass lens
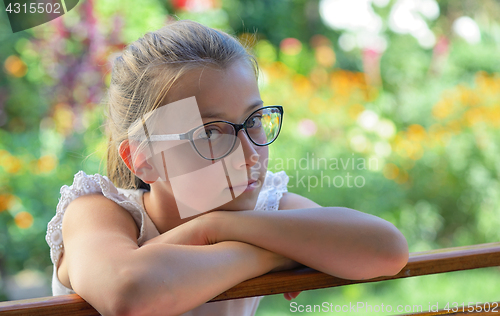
pixel 217 139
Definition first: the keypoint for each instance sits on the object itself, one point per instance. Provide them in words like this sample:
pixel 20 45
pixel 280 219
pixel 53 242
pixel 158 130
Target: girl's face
pixel 197 184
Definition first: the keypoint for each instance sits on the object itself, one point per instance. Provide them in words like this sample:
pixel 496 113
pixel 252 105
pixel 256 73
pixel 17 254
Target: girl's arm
pixel 108 269
pixel 335 240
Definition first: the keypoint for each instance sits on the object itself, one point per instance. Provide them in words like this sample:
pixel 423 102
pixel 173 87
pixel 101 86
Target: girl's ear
pixel 124 152
pixel 137 162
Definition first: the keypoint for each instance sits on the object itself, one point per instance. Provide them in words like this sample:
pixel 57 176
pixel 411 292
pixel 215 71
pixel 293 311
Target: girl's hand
pixel 290 296
pixel 287 264
pixel 196 232
pixel 284 263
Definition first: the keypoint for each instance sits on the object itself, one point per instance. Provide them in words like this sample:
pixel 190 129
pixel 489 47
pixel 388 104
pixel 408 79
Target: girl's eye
pixel 255 122
pixel 210 133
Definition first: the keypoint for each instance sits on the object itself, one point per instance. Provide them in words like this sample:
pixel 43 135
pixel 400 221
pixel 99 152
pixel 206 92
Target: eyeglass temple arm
pixel 155 138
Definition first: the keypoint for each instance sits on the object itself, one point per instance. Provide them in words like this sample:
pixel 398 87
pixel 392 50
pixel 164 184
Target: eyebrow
pixel 211 114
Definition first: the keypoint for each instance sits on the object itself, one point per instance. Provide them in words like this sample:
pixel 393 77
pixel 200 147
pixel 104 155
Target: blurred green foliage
pixel 417 127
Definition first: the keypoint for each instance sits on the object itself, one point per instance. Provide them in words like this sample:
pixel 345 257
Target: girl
pixel 188 209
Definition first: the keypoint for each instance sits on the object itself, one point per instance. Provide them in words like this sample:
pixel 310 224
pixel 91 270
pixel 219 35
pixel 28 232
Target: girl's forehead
pixel 220 93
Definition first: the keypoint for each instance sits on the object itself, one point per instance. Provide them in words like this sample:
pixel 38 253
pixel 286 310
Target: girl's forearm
pixel 172 279
pixel 338 241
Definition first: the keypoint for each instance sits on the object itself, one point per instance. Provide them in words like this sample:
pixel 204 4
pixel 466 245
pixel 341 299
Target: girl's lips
pixel 251 184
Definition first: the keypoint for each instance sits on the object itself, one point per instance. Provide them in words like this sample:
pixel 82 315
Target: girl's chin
pixel 241 203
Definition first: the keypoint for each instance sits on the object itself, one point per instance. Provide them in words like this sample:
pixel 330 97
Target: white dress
pixel 274 186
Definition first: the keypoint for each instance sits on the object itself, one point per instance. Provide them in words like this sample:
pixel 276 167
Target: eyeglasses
pixel 216 140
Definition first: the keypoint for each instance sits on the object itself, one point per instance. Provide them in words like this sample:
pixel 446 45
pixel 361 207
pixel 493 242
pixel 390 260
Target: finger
pixel 287 296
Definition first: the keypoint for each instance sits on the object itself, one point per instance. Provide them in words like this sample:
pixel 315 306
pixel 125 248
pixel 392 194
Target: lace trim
pixel 84 184
pixel 274 186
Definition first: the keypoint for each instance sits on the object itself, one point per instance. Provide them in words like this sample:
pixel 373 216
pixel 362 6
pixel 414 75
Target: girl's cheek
pixel 263 156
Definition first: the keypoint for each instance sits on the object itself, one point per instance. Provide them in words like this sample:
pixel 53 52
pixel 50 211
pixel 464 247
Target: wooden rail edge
pixel 301 279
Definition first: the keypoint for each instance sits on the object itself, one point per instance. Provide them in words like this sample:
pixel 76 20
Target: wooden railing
pixel 302 279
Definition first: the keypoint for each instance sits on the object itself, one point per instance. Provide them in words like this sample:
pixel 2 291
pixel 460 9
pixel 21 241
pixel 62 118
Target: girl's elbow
pixel 122 299
pixel 131 297
pixel 388 258
pixel 395 256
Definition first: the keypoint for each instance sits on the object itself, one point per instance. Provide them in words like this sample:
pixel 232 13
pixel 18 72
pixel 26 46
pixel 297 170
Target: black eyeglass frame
pixel 237 128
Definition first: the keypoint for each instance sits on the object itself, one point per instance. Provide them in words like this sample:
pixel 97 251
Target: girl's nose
pixel 251 157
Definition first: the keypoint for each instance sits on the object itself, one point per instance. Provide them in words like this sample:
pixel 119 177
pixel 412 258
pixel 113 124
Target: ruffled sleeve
pixel 84 184
pixel 270 195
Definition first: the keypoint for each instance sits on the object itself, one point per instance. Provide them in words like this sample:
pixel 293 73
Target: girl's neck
pixel 162 210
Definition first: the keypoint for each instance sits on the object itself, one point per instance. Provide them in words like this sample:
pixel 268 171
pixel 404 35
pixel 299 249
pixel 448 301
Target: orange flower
pixel 474 98
pixel 6 201
pixel 442 109
pixel 46 163
pixel 416 151
pixel 319 76
pixel 302 86
pixel 12 164
pixel 390 171
pixel 474 116
pixel 278 71
pixel 23 220
pixel 464 94
pixel 3 153
pixel 454 127
pixel 416 133
pixel 402 177
pixel 494 115
pixel 63 118
pixel 15 66
pixel 404 148
pixel 325 56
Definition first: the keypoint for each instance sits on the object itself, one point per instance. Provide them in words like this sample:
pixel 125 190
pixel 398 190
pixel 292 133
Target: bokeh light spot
pixel 15 66
pixel 23 220
pixel 391 171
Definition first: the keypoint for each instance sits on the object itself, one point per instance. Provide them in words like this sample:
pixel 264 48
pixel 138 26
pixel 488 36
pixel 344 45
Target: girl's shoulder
pixel 84 185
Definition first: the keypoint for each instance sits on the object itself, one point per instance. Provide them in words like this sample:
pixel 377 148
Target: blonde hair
pixel 143 74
